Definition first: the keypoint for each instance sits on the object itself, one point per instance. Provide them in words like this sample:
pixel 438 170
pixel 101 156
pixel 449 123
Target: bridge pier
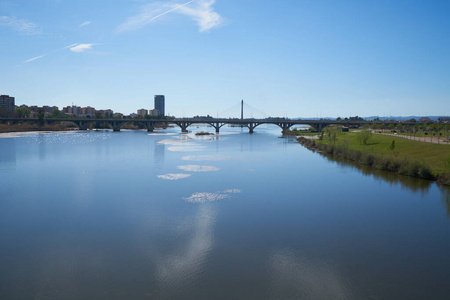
pixel 150 126
pixel 217 127
pixel 320 126
pixel 251 126
pixel 183 126
pixel 284 128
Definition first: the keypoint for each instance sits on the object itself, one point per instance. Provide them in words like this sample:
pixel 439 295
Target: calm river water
pixel 132 215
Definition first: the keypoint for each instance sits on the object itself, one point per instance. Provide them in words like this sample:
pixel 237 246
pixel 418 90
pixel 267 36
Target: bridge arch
pixel 182 124
pixel 217 125
pixel 56 122
pixel 320 126
pixel 85 124
pixel 117 124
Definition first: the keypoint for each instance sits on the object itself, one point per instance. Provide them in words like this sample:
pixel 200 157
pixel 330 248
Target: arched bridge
pixel 184 123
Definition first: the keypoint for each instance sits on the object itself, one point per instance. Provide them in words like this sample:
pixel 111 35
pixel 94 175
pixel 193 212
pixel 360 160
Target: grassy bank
pixel 411 158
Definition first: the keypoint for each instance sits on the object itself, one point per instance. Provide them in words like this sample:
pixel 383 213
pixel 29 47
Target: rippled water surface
pixel 132 215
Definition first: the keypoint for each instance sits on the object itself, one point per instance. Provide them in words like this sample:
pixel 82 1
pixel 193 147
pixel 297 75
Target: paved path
pixel 434 140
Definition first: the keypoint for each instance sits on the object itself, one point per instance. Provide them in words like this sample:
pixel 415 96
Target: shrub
pixel 416 169
pixel 444 178
pixel 367 159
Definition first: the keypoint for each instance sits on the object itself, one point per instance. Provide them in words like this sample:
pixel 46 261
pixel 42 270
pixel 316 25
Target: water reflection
pixel 197 168
pixel 159 153
pixel 183 266
pixel 174 176
pixel 410 183
pixel 109 228
pixel 297 277
pixel 7 153
pixel 211 197
pixel 445 192
pixel 41 140
pixel 206 157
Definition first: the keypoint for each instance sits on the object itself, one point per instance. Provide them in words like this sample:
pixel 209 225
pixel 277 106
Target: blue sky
pixel 289 58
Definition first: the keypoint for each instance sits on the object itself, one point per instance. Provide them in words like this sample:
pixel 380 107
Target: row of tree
pixel 21 112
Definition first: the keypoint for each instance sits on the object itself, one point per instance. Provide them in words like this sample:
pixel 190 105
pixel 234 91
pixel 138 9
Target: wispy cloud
pixel 85 23
pixel 70 46
pixel 73 47
pixel 34 58
pixel 81 47
pixel 201 11
pixel 20 25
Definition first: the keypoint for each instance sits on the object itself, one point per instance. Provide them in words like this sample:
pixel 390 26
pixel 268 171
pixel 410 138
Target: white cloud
pixel 34 58
pixel 81 47
pixel 85 23
pixel 201 11
pixel 19 25
pixel 73 47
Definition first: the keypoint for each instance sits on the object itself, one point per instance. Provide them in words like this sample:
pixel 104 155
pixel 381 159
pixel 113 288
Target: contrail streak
pixel 170 10
pixel 34 58
pixel 70 46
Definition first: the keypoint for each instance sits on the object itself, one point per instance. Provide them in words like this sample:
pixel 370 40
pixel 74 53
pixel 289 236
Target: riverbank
pixel 406 157
pixel 63 126
pixel 33 128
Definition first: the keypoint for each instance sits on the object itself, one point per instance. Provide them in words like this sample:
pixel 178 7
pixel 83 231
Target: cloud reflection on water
pixel 206 157
pixel 161 133
pixel 175 270
pixel 197 168
pixel 205 197
pixel 185 148
pixel 174 176
pixel 177 142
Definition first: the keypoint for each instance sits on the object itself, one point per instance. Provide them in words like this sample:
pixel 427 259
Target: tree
pixel 41 116
pixel 364 136
pixel 21 112
pixel 392 146
pixel 5 113
pixel 321 136
pixel 56 113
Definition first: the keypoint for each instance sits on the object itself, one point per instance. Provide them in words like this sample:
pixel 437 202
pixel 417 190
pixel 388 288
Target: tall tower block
pixel 160 104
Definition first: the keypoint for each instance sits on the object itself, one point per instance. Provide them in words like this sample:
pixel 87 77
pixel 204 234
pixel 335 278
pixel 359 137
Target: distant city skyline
pixel 287 59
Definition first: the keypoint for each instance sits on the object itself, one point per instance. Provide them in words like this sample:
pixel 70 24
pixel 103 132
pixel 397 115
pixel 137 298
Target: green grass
pixel 436 156
pixel 302 133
